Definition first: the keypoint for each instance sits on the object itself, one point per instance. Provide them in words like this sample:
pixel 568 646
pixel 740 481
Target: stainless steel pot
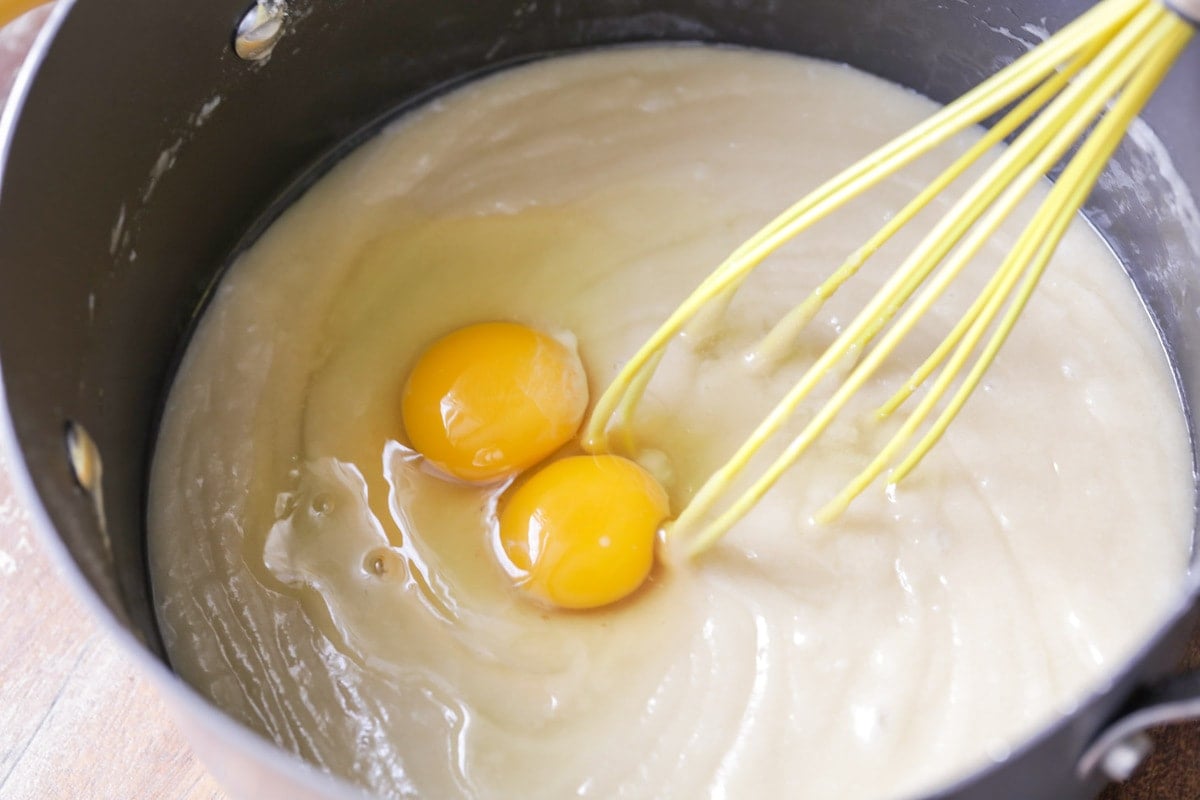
pixel 142 153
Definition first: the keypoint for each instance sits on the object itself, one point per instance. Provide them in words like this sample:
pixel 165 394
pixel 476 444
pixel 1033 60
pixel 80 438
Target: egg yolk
pixel 492 399
pixel 580 532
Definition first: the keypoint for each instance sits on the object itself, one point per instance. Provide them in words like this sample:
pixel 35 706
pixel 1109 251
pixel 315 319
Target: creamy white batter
pixel 318 584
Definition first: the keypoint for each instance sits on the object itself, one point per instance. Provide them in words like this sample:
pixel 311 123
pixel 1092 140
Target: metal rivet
pixel 1123 758
pixel 84 457
pixel 260 29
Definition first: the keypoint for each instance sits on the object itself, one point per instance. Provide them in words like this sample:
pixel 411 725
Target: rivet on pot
pixel 1124 757
pixel 84 457
pixel 260 29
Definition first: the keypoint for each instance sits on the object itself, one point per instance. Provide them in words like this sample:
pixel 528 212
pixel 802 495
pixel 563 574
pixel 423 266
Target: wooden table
pixel 76 720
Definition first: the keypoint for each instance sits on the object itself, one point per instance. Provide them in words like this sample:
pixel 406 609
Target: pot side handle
pixel 1123 744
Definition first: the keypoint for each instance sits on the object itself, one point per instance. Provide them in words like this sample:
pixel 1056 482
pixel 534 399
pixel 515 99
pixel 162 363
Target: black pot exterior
pixel 146 154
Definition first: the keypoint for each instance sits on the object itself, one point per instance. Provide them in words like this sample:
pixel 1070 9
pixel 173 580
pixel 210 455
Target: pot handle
pixel 1123 744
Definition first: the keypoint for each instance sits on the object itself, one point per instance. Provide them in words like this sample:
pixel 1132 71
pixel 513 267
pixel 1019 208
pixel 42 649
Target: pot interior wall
pixel 146 150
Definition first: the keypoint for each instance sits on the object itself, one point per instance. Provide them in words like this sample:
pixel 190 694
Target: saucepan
pixel 148 141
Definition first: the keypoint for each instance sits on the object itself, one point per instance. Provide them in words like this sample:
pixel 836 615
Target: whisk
pixel 1089 82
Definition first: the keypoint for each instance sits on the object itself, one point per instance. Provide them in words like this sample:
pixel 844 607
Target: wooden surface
pixel 76 721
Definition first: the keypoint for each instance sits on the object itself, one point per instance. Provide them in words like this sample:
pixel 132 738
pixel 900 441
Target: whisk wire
pixel 1070 122
pixel 985 99
pixel 1012 176
pixel 989 97
pixel 1075 184
pixel 1038 148
pixel 1113 56
pixel 1027 259
pixel 779 340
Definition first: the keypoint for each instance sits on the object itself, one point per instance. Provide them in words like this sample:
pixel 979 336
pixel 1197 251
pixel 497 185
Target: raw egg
pixel 580 533
pixel 492 399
